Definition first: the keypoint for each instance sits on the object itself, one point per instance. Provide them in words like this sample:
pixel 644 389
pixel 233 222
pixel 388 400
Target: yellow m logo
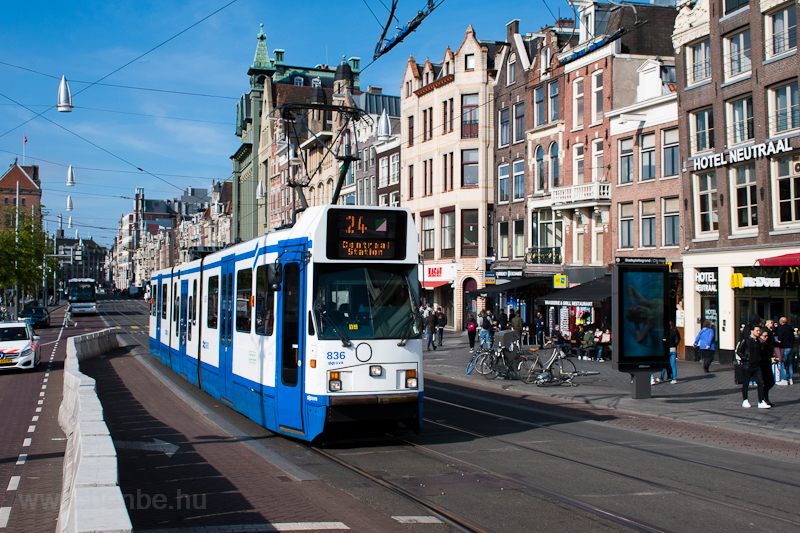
pixel 737 281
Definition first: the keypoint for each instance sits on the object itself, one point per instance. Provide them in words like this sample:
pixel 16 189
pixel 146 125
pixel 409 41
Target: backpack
pixel 471 325
pixel 487 324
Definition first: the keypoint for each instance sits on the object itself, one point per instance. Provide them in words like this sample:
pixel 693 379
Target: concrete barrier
pixel 91 500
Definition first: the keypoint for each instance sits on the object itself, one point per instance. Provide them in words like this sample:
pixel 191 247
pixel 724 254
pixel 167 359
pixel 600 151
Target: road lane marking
pixel 13 483
pixel 47 374
pixel 31 429
pixel 22 458
pixel 41 394
pixel 5 513
pixel 45 380
pixel 38 409
pixel 26 443
pixel 44 387
pixel 41 401
pixel 35 419
pixel 286 526
pixel 417 519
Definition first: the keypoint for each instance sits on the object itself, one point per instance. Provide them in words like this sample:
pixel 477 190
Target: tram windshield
pixel 81 291
pixel 374 302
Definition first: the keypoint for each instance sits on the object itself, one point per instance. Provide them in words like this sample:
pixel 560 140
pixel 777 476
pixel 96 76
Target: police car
pixel 19 347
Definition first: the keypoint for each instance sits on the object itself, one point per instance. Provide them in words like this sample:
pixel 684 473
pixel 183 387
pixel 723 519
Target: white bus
pixel 82 296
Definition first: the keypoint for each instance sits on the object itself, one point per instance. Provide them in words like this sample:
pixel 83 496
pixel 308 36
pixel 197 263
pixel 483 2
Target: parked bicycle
pixel 550 366
pixel 504 359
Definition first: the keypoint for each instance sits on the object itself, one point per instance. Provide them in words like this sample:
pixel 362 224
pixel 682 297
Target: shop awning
pixel 494 290
pixel 590 294
pixel 781 261
pixel 434 284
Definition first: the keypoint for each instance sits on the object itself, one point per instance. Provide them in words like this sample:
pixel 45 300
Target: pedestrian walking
pixel 68 317
pixel 750 355
pixel 673 339
pixel 441 322
pixel 767 360
pixel 486 328
pixel 472 330
pixel 541 329
pixel 502 320
pixel 705 343
pixel 516 323
pixel 430 330
pixel 784 338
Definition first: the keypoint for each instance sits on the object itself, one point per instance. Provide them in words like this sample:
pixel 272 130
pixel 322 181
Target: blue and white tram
pixel 303 327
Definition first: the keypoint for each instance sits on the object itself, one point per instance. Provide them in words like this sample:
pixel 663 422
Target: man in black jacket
pixel 751 363
pixel 784 339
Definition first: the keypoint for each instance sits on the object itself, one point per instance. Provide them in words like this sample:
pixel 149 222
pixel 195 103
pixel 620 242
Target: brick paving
pixel 704 407
pixel 213 481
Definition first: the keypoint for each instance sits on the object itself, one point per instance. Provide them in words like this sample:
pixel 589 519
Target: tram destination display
pixel 366 234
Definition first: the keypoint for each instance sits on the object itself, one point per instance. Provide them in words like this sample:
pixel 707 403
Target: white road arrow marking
pixel 157 446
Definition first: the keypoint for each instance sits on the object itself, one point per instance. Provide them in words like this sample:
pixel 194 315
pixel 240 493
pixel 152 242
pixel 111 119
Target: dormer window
pixel 298 81
pixel 316 83
pixel 511 69
pixel 469 62
pixel 447 68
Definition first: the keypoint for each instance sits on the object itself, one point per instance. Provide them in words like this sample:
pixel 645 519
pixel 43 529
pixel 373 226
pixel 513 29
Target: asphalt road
pixel 506 463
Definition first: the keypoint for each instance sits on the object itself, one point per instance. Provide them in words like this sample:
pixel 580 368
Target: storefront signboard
pixel 489 278
pixel 509 273
pixel 745 153
pixel 740 281
pixel 560 281
pixel 705 281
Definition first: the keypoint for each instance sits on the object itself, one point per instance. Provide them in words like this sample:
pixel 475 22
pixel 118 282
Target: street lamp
pixel 70 177
pixel 69 203
pixel 64 96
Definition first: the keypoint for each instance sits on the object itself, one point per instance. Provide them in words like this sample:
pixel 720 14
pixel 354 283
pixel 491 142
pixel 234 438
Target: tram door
pixel 159 296
pixel 227 314
pixel 178 365
pixel 290 364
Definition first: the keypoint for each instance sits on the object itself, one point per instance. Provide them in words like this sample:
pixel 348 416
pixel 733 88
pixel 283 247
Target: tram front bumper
pixel 373 407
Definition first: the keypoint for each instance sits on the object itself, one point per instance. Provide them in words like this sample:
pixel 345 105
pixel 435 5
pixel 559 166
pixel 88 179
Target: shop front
pixel 585 304
pixel 769 292
pixel 437 288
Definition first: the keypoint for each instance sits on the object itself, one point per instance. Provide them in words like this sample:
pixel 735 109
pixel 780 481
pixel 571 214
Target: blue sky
pixel 185 140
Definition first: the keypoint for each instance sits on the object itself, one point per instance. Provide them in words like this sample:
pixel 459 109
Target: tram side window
pixel 265 303
pixel 244 290
pixel 193 307
pixel 163 298
pixel 176 305
pixel 213 301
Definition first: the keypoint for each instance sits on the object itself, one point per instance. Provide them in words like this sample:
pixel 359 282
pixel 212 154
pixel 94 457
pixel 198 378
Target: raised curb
pixel 91 500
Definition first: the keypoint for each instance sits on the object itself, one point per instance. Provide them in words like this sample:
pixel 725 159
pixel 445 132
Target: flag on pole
pixel 25 141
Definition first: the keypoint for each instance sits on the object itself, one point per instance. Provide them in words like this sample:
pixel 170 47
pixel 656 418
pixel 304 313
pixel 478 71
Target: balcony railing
pixel 586 192
pixel 544 256
pixel 469 129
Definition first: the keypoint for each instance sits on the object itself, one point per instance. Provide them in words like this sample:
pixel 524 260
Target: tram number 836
pixel 335 355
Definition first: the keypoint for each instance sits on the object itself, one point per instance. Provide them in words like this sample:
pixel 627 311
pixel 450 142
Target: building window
pixel 427 234
pixel 469 168
pixel 672 222
pixel 785 109
pixel 648 221
pixel 410 181
pixel 787 170
pixel 597 245
pixel 395 199
pixel 549 232
pixel 671 157
pixel 539 169
pixel 445 120
pixel 577 104
pixel 469 116
pixel 746 195
pixel 383 200
pixel 626 225
pixel 503 240
pixel 781 29
pixel 502 184
pixel 450 124
pixel 734 5
pixel 519 122
pixel 424 125
pixel 554 165
pixel 738 51
pixel 577 164
pixel 700 66
pixel 598 172
pixel 298 81
pixel 702 124
pixel 707 202
pixel 539 114
pixel 411 131
pixel 579 241
pixel 394 176
pixel 504 127
pixel 740 115
pixel 519 239
pixel 469 62
pixel 519 180
pixel 448 234
pixel 626 161
pixel 469 232
pixel 554 101
pixel 597 99
pixel 383 176
pixel 511 70
pixel 647 151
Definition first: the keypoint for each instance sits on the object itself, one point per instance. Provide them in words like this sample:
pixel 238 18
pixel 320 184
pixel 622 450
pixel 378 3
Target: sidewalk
pixel 710 399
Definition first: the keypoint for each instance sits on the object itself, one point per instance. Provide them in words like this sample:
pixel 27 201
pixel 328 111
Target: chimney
pixel 374 90
pixel 512 28
pixel 565 23
pixel 279 56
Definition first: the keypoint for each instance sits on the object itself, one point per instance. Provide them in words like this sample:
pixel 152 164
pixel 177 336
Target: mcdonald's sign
pixel 740 281
pixel 791 277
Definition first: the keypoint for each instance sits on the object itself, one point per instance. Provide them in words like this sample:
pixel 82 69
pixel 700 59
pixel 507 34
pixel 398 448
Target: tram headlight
pixel 375 371
pixel 411 379
pixel 334 383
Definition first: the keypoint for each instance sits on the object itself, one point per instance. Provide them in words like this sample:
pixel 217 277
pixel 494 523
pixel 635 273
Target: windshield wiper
pixel 409 331
pixel 329 322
